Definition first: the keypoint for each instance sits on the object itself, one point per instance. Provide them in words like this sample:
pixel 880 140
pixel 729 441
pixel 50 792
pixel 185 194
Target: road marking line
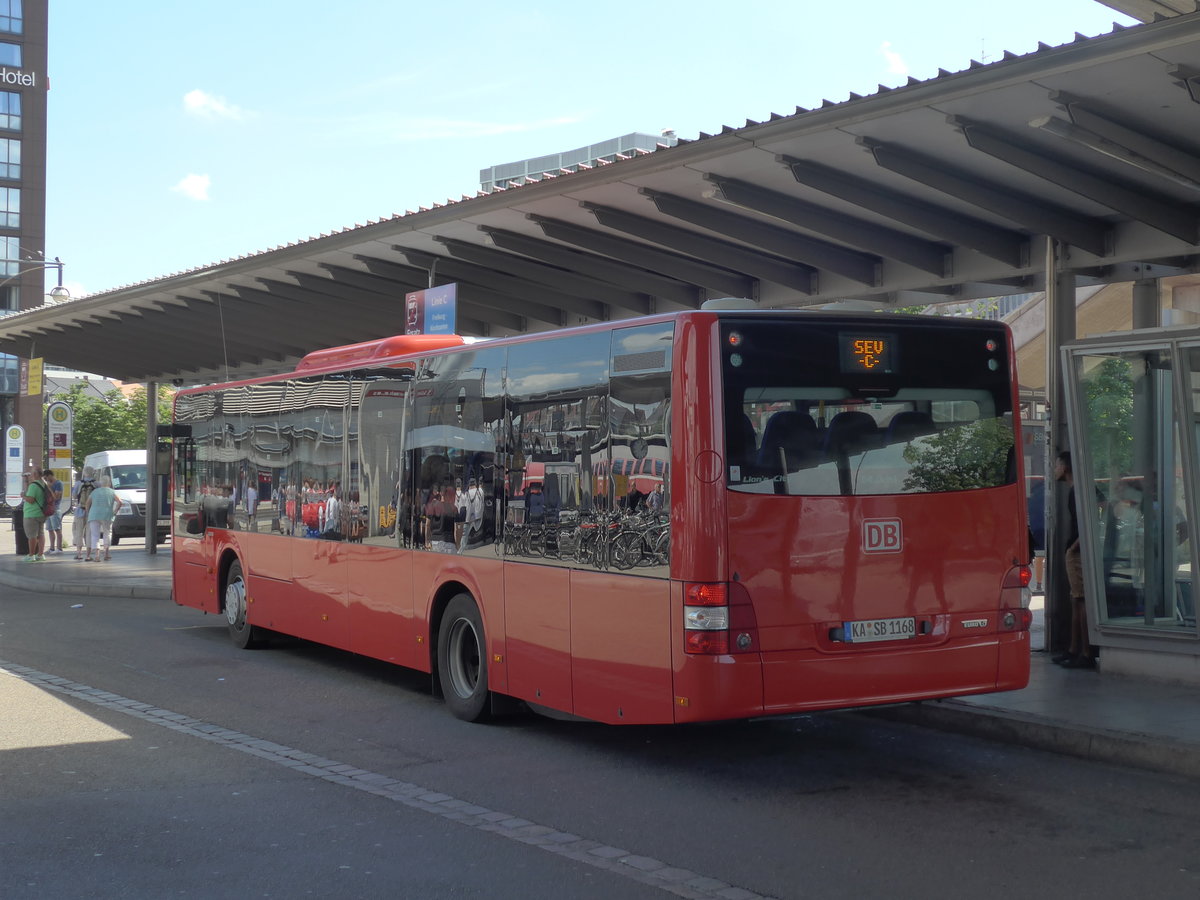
pixel 643 869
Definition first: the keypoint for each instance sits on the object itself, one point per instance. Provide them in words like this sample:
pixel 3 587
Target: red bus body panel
pixel 608 645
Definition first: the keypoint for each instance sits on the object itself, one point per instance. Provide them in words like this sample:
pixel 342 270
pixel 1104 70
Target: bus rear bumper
pixel 809 680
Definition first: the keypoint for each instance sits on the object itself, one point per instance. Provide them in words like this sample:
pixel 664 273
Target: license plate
pixel 866 630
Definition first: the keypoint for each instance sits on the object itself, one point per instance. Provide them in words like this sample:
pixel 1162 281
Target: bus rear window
pixel 825 407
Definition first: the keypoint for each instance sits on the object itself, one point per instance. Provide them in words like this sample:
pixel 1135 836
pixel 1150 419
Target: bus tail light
pixel 1015 597
pixel 718 618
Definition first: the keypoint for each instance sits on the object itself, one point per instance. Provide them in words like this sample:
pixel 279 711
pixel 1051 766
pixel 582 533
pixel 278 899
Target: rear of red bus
pixel 856 529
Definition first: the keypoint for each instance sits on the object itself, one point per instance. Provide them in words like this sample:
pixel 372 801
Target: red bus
pixel 826 512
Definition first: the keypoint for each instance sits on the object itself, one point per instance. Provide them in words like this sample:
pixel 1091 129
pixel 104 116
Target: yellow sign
pixel 35 378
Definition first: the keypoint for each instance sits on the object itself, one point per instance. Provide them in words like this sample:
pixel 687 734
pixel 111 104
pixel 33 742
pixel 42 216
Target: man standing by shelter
pixel 1079 653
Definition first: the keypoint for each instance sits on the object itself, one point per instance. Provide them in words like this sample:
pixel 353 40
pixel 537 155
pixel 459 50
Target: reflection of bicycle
pixel 645 540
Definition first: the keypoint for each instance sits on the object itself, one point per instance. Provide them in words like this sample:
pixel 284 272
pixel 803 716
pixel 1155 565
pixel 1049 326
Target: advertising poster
pixel 431 311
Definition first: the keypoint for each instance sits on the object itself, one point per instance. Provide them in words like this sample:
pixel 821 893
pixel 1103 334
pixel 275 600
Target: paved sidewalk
pixel 132 572
pixel 1108 718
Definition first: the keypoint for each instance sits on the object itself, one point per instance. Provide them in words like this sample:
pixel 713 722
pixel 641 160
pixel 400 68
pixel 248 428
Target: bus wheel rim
pixel 463 650
pixel 235 603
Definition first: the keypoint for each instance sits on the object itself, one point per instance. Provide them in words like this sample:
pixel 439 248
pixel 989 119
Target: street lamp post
pixel 28 409
pixel 58 292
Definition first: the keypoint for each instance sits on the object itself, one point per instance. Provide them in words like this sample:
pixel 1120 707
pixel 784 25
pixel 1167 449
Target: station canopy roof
pixel 936 191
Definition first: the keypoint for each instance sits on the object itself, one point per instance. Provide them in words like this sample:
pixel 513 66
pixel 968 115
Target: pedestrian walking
pixel 83 488
pixel 101 508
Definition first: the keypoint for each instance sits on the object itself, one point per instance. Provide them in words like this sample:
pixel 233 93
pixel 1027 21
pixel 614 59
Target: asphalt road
pixel 142 755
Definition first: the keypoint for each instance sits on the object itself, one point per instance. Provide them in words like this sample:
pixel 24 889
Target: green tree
pixel 1109 395
pixel 112 422
pixel 960 459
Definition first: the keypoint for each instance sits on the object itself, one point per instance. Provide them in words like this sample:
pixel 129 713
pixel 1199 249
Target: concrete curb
pixel 106 589
pixel 1155 753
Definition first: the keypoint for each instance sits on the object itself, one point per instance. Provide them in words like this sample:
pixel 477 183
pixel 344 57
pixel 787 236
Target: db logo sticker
pixel 882 536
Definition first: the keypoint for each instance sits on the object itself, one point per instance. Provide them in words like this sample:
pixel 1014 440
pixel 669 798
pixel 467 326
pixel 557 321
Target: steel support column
pixel 1060 328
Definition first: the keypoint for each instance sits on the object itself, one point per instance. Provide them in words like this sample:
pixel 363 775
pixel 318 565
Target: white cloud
pixel 194 186
pixel 895 62
pixel 208 106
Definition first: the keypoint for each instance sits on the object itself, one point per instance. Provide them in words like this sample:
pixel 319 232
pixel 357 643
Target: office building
pixel 23 264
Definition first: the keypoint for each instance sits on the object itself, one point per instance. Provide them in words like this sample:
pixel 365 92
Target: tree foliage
pixel 113 422
pixel 972 456
pixel 1109 397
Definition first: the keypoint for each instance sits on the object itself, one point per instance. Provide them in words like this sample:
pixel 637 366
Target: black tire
pixel 235 605
pixel 462 660
pixel 627 550
pixel 116 539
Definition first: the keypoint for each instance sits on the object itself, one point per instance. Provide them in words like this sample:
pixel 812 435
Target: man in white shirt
pixel 473 515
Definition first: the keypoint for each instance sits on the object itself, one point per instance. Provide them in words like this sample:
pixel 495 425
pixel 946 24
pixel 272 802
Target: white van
pixel 127 471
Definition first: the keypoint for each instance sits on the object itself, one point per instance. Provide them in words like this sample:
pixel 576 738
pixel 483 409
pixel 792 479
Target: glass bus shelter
pixel 1133 414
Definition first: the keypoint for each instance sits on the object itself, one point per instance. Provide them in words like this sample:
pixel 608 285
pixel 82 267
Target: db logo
pixel 882 536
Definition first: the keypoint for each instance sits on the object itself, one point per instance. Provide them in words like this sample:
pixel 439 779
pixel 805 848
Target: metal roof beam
pixel 370 281
pixel 1092 235
pixel 853 264
pixel 1002 244
pixel 937 259
pixel 570 301
pixel 722 282
pixel 247 315
pixel 597 267
pixel 524 309
pixel 472 319
pixel 330 285
pixel 153 355
pixel 340 327
pixel 798 277
pixel 544 304
pixel 1136 202
pixel 559 279
pixel 1134 139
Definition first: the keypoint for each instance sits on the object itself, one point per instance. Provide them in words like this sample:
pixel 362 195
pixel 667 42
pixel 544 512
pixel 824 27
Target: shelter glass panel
pixel 1129 489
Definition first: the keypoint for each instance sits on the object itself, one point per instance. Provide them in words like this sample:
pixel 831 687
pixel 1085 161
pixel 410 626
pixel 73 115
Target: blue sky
pixel 181 134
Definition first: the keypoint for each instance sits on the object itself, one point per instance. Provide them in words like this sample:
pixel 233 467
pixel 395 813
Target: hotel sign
pixel 15 77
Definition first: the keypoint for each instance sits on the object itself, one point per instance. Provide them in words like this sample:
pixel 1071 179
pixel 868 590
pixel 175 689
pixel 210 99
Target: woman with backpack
pixel 79 496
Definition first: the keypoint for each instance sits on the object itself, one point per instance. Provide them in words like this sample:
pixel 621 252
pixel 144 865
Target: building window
pixel 10 110
pixel 10 158
pixel 10 17
pixel 10 207
pixel 10 256
pixel 10 54
pixel 10 299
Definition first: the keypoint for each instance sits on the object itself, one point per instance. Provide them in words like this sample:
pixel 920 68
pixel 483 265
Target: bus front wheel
pixel 462 660
pixel 244 635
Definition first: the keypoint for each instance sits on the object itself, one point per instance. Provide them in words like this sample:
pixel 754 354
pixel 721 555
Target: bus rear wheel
pixel 245 636
pixel 462 660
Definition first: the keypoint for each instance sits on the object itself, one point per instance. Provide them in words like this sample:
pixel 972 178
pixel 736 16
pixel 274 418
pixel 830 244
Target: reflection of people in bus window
pixel 535 503
pixel 633 500
pixel 439 521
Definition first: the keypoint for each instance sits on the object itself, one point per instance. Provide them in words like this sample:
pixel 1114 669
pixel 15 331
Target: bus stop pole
pixel 1060 329
pixel 152 493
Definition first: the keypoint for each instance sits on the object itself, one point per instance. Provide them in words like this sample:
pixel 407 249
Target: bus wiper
pixel 781 486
